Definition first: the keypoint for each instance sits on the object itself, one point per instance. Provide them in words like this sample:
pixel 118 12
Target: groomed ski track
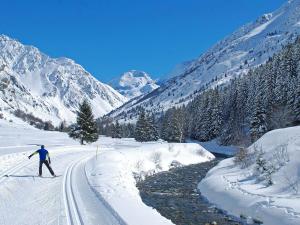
pixel 67 199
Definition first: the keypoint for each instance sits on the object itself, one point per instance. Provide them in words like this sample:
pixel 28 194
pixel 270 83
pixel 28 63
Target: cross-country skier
pixel 44 154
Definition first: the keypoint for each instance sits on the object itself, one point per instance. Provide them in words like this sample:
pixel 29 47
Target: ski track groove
pixel 4 175
pixel 71 207
pixel 72 210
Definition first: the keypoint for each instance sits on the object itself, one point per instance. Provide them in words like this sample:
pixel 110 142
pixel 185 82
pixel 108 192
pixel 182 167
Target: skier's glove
pixel 29 157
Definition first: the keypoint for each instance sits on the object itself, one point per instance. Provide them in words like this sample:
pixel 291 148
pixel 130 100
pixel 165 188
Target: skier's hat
pixel 42 146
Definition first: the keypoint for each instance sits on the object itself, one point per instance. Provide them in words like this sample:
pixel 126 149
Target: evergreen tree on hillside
pixel 173 126
pixel 153 132
pixel 215 115
pixel 116 130
pixel 140 128
pixel 176 128
pixel 296 105
pixel 258 125
pixel 145 129
pixel 86 128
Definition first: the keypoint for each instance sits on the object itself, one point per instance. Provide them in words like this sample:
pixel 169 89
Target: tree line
pixel 238 112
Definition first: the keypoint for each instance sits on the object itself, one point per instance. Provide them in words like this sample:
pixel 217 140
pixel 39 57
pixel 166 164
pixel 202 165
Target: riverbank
pixel 175 195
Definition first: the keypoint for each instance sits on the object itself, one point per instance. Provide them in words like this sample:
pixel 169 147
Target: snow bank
pixel 112 174
pixel 240 192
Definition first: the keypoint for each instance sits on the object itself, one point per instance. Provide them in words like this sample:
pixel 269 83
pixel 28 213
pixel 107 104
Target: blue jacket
pixel 43 153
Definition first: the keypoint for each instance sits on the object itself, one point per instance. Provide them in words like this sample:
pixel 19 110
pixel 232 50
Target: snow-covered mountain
pixel 49 88
pixel 134 83
pixel 246 48
pixel 178 69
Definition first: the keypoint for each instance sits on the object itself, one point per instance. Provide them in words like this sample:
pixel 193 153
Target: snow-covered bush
pixel 265 168
pixel 293 182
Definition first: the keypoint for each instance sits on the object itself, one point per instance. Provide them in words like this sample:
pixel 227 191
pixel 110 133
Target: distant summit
pixel 245 49
pixel 134 83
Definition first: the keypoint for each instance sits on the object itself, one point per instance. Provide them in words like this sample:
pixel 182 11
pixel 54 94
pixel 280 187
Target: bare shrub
pixel 244 157
pixel 156 159
pixel 281 156
pixel 175 164
pixel 139 165
pixel 293 182
pixel 201 152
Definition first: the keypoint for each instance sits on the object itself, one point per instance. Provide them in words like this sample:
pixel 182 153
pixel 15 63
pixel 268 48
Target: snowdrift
pixel 245 193
pixel 114 172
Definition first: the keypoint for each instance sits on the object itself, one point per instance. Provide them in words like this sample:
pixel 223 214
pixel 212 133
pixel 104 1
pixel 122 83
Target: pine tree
pixel 140 129
pixel 117 130
pixel 153 133
pixel 296 106
pixel 258 125
pixel 86 128
pixel 176 128
pixel 173 126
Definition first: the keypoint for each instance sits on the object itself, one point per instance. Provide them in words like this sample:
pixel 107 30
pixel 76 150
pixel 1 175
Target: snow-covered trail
pixel 82 204
pixel 28 199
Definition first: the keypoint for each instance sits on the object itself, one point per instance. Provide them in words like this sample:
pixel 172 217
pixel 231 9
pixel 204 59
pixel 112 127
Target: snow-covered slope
pixel 134 83
pixel 49 88
pixel 245 191
pixel 248 47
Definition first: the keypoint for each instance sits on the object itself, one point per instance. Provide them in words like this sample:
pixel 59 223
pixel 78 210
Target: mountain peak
pixel 50 89
pixel 246 48
pixel 134 83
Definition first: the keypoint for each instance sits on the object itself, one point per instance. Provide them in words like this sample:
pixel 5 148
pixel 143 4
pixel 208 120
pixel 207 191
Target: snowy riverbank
pixel 113 174
pixel 239 191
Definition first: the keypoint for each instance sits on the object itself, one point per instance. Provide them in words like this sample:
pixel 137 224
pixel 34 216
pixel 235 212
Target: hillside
pixel 48 88
pixel 248 47
pixel 263 184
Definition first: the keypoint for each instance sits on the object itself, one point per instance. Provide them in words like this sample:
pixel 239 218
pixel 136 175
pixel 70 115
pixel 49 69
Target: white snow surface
pixel 112 175
pixel 239 192
pixel 251 45
pixel 49 88
pixel 134 83
pixel 95 183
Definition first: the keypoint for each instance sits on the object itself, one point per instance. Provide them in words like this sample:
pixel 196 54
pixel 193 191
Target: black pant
pixel 48 166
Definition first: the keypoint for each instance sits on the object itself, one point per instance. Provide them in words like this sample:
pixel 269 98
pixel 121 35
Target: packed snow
pixel 245 192
pixel 18 136
pixel 95 183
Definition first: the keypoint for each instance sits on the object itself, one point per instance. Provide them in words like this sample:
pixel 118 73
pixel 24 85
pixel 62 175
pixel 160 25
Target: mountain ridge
pixel 49 88
pixel 246 48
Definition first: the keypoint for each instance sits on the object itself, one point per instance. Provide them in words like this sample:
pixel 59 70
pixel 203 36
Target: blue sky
pixel 109 37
